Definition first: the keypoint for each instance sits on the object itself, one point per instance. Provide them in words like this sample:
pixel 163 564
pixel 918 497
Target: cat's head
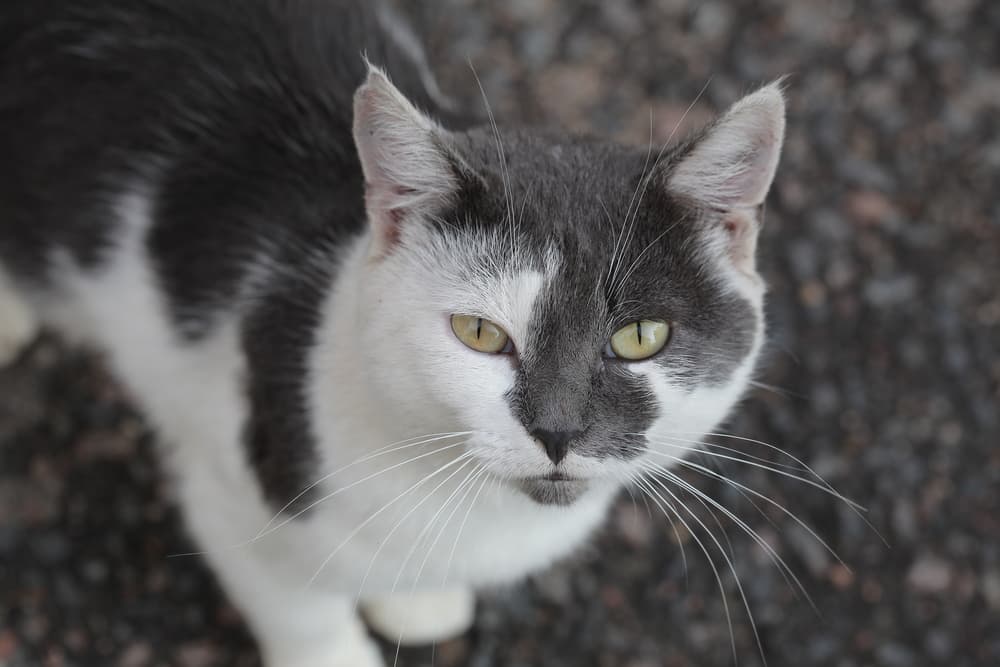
pixel 567 301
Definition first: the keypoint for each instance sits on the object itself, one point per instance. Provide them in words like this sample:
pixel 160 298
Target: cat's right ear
pixel 406 168
pixel 728 169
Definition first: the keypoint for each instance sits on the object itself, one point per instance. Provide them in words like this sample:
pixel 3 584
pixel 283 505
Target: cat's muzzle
pixel 555 489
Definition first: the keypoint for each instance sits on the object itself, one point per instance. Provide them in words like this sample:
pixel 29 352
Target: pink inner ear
pixel 390 234
pixel 384 217
pixel 381 201
pixel 741 233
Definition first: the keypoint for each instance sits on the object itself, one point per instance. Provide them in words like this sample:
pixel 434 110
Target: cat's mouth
pixel 553 489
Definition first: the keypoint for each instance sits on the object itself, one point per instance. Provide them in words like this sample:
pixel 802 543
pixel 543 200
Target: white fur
pixel 421 618
pixel 18 324
pixel 386 368
pixel 192 393
pixel 733 166
pixel 405 172
pixel 731 170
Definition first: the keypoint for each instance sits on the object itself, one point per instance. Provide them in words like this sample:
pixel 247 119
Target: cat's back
pixel 237 113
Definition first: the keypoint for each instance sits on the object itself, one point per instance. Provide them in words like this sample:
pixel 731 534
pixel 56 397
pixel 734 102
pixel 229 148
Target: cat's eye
pixel 480 334
pixel 638 340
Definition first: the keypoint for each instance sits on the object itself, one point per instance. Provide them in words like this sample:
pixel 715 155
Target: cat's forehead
pixel 556 171
pixel 590 215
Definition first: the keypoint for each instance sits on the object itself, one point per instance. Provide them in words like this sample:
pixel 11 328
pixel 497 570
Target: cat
pixel 393 355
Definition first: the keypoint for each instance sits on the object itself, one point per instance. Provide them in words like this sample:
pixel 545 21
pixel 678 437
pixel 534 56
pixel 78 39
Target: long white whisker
pixel 677 536
pixel 746 489
pixel 855 507
pixel 775 390
pixel 725 535
pixel 752 441
pixel 612 268
pixel 350 486
pixel 804 480
pixel 644 181
pixel 658 499
pixel 635 264
pixel 461 529
pixel 501 154
pixel 375 515
pixel 264 532
pixel 729 562
pixel 468 483
pixel 430 526
pixel 473 478
pixel 779 562
pixel 402 520
pixel 381 451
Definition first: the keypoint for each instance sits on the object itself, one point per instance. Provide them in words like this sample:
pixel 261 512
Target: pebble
pixel 930 574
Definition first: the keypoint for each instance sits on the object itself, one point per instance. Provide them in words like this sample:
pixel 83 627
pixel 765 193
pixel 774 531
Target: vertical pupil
pixel 479 328
pixel 638 331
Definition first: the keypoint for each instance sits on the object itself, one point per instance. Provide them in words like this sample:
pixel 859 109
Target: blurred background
pixel 882 249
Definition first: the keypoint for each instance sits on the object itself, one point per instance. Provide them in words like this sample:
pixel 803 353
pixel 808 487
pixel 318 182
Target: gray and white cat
pixel 390 361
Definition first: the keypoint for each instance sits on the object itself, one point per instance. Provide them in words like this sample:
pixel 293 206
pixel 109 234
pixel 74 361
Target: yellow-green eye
pixel 479 334
pixel 639 340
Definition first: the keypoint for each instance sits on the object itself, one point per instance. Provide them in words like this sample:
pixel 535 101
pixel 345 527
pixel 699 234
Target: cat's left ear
pixel 727 171
pixel 406 167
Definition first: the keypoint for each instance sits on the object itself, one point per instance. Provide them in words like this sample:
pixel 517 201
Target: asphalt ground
pixel 882 250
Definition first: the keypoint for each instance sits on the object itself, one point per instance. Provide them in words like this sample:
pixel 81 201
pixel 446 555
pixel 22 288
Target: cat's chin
pixel 553 490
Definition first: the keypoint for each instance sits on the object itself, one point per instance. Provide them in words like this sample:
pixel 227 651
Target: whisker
pixel 266 530
pixel 722 529
pixel 375 515
pixel 752 441
pixel 468 483
pixel 635 264
pixel 645 179
pixel 350 486
pixel 660 501
pixel 776 390
pixel 524 201
pixel 381 451
pixel 627 481
pixel 612 269
pixel 677 536
pixel 473 478
pixel 779 562
pixel 746 489
pixel 732 568
pixel 402 520
pixel 804 480
pixel 695 447
pixel 461 528
pixel 502 155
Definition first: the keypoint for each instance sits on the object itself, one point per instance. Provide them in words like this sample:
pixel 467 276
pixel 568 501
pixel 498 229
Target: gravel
pixel 882 249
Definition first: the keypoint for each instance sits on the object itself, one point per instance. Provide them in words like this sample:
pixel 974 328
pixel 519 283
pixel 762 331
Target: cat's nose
pixel 556 443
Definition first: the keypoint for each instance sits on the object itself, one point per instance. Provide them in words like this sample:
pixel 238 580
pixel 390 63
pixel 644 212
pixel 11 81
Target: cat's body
pixel 180 187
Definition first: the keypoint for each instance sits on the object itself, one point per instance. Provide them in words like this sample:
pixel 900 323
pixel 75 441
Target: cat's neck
pixel 349 414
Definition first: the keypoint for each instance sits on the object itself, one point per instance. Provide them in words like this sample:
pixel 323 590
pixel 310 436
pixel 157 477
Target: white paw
pixel 421 618
pixel 355 652
pixel 18 325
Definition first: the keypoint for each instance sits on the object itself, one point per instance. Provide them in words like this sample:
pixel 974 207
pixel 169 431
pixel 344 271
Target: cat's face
pixel 562 254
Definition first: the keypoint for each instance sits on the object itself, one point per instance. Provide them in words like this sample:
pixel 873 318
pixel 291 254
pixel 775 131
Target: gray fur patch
pixel 621 257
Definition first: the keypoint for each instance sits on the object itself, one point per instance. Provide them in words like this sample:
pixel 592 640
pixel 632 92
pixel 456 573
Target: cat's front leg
pixel 358 652
pixel 313 632
pixel 295 624
pixel 421 617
